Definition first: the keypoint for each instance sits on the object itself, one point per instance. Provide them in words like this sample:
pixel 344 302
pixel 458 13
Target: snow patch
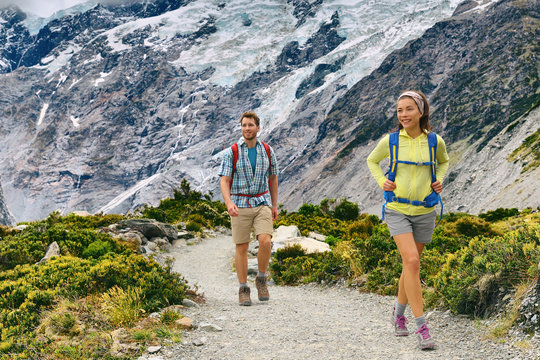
pixel 42 113
pixel 482 6
pixel 75 121
pixel 74 83
pixel 128 193
pixel 101 79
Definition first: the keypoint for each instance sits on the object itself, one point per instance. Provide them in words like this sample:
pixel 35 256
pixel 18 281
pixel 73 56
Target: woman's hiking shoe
pixel 399 322
pixel 243 296
pixel 262 289
pixel 425 341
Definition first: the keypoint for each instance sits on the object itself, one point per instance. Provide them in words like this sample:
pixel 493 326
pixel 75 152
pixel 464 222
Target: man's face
pixel 249 128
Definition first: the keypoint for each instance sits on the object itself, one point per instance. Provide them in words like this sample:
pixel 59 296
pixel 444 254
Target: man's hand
pixel 389 185
pixel 232 209
pixel 275 213
pixel 437 186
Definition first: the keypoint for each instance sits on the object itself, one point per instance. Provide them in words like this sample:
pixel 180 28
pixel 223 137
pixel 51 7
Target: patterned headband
pixel 417 99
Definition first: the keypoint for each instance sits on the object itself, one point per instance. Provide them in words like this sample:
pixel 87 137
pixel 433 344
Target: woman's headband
pixel 417 99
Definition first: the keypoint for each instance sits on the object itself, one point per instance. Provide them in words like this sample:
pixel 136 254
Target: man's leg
pixel 240 260
pixel 265 250
pixel 263 229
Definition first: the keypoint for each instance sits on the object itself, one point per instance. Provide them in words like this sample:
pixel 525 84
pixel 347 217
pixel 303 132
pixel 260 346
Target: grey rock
pixel 210 327
pixel 132 237
pixel 184 235
pixel 200 341
pixel 190 303
pixel 150 228
pixel 253 267
pixel 153 349
pixel 52 250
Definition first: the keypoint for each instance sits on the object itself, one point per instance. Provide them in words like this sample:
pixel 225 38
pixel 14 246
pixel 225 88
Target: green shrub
pixel 499 214
pixel 346 210
pixel 476 276
pixel 186 205
pixel 97 249
pixel 310 210
pixel 193 226
pixel 332 241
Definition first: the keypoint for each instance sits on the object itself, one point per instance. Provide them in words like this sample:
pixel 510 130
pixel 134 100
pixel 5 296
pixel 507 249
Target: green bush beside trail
pixel 470 264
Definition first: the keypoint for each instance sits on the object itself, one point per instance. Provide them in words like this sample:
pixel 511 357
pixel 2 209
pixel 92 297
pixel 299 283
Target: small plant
pixel 169 316
pixel 123 308
pixel 142 336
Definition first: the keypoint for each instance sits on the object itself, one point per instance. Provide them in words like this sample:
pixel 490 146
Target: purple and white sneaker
pixel 399 322
pixel 425 341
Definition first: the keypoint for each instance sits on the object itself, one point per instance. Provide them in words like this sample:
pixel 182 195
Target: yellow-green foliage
pixel 91 264
pixel 529 152
pixel 123 307
pixel 469 264
pixel 190 206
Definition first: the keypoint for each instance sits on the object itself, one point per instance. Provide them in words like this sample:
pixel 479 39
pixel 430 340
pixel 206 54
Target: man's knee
pixel 264 239
pixel 242 248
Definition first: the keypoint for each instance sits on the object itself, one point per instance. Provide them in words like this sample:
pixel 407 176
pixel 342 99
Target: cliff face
pixel 480 73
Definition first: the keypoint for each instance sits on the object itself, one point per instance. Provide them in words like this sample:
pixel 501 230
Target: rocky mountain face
pixel 480 73
pixel 109 109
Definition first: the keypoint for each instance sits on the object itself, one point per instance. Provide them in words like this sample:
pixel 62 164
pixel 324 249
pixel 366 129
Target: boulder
pixel 150 228
pixel 184 235
pixel 132 237
pixel 52 250
pixel 286 232
pixel 308 244
pixel 289 235
pixel 163 244
pixel 317 236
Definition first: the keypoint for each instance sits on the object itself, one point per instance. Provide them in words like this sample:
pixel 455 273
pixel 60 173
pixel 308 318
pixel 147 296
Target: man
pixel 250 189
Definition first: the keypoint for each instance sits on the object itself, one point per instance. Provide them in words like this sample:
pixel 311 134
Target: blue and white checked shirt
pixel 244 180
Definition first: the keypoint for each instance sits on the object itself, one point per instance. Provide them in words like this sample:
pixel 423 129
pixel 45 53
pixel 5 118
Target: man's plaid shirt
pixel 244 181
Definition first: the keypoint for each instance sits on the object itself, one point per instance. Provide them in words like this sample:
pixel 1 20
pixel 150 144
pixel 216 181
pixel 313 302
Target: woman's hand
pixel 389 185
pixel 437 187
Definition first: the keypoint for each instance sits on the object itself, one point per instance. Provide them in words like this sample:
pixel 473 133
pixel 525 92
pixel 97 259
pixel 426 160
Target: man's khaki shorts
pixel 259 218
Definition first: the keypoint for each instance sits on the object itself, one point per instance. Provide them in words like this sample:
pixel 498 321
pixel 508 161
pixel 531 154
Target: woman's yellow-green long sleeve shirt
pixel 412 182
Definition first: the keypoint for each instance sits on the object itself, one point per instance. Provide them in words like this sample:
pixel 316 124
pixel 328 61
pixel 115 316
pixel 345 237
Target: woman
pixel 410 225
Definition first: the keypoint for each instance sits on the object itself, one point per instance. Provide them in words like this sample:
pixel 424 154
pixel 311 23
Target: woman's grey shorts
pixel 421 226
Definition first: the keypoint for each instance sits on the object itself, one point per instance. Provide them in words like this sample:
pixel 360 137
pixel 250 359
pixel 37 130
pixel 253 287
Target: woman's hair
pixel 425 126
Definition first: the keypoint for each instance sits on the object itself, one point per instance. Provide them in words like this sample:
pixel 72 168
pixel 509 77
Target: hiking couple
pixel 410 193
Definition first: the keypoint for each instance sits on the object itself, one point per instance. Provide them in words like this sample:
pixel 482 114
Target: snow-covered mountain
pixel 110 108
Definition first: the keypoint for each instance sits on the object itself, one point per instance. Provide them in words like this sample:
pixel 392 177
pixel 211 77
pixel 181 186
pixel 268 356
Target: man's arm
pixel 274 195
pixel 225 185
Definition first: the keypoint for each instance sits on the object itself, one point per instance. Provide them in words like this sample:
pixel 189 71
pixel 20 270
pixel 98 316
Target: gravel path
pixel 309 322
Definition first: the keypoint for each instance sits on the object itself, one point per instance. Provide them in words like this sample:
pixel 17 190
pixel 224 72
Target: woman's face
pixel 408 113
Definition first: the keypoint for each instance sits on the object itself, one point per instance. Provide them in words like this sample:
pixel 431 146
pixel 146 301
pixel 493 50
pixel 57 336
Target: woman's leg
pixel 410 289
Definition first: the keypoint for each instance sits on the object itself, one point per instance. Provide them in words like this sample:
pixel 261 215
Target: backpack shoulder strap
pixel 432 142
pixel 393 142
pixel 267 148
pixel 234 148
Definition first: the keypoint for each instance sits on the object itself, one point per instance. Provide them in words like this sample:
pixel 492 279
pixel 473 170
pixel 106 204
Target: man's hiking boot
pixel 243 296
pixel 399 322
pixel 262 289
pixel 425 341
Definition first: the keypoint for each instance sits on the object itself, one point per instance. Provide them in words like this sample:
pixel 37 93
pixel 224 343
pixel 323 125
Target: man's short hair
pixel 251 115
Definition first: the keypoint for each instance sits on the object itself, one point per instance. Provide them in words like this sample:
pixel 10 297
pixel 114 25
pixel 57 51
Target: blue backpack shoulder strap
pixel 432 142
pixel 393 142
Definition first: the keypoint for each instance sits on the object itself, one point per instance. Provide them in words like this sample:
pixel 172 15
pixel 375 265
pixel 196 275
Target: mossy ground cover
pixel 471 264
